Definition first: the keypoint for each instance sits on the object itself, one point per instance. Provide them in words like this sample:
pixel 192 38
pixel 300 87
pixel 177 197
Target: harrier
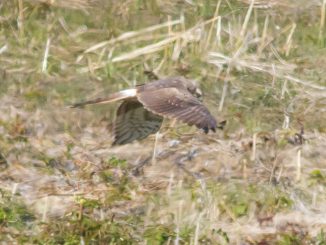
pixel 144 107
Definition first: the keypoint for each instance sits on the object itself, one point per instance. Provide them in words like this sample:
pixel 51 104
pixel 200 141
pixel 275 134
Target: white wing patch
pixel 124 94
pixel 129 92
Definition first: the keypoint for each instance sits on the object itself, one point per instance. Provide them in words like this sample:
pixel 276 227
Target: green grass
pixel 63 183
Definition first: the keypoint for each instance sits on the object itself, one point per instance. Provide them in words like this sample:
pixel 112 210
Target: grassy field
pixel 261 66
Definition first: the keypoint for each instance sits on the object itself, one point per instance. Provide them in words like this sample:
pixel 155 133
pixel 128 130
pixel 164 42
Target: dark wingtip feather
pixel 222 124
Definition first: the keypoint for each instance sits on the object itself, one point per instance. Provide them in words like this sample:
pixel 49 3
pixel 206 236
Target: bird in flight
pixel 143 108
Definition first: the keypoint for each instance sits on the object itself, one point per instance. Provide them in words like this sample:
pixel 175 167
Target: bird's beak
pixel 198 94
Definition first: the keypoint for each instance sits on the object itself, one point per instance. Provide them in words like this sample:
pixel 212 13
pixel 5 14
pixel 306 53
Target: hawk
pixel 143 108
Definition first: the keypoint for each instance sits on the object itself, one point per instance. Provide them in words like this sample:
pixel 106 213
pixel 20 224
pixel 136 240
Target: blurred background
pixel 262 67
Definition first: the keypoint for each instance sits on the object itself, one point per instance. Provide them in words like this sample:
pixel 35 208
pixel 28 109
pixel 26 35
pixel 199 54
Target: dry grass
pixel 260 181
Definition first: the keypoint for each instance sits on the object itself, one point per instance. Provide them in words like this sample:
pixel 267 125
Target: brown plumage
pixel 144 107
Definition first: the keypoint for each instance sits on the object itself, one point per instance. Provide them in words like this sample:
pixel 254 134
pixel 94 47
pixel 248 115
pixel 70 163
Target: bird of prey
pixel 143 108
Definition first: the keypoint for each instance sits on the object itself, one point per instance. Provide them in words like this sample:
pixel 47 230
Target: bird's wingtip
pixel 221 125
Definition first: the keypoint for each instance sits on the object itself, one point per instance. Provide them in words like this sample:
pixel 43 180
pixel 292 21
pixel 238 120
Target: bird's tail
pixel 124 94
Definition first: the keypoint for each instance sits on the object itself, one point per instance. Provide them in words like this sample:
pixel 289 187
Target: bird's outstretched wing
pixel 134 122
pixel 180 104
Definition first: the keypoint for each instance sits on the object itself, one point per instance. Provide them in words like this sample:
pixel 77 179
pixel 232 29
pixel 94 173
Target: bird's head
pixel 194 89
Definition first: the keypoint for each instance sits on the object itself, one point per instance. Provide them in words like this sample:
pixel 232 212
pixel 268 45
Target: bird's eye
pixel 192 91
